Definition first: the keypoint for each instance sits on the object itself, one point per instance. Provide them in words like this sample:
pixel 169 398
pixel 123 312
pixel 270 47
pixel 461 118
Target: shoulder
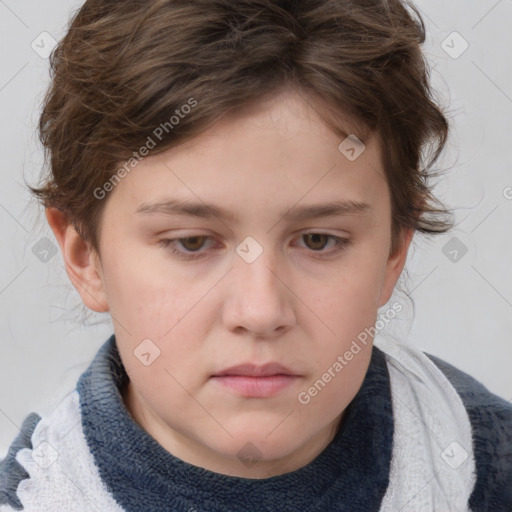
pixel 491 422
pixel 11 471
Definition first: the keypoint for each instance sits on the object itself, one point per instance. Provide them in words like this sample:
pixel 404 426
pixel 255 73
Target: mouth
pixel 251 381
pixel 252 370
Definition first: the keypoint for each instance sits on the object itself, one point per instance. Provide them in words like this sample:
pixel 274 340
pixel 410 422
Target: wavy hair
pixel 125 67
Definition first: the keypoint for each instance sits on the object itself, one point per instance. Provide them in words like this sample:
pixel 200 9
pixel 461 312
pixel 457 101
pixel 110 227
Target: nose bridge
pixel 256 265
pixel 260 301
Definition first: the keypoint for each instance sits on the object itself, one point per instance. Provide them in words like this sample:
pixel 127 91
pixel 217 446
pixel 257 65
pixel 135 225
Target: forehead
pixel 276 153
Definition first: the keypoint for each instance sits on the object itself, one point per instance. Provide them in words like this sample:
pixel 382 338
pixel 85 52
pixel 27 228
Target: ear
pixel 394 267
pixel 81 262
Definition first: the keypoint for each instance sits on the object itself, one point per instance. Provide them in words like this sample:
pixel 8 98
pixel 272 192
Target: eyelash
pixel 169 244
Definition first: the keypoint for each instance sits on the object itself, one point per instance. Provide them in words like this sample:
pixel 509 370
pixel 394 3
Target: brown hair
pixel 125 69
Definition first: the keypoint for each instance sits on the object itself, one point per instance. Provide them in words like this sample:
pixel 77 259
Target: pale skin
pixel 298 303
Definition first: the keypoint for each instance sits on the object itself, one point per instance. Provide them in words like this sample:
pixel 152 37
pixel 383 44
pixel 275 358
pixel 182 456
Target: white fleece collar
pixel 432 465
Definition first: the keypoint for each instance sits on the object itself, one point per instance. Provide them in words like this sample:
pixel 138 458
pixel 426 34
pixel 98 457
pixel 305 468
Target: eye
pixel 318 241
pixel 193 244
pixel 196 243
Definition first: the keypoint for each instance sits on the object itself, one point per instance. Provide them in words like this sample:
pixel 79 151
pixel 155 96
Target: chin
pixel 253 445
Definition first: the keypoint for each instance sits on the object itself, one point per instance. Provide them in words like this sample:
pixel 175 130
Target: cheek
pixel 335 385
pixel 344 311
pixel 146 304
pixel 143 296
pixel 348 297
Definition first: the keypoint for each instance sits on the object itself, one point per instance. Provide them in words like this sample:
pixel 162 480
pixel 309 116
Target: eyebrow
pixel 203 210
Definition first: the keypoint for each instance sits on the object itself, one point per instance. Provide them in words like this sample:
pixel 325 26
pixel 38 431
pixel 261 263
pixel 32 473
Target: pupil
pixel 194 239
pixel 315 237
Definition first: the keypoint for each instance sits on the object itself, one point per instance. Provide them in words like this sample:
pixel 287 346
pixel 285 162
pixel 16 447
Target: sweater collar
pixel 351 473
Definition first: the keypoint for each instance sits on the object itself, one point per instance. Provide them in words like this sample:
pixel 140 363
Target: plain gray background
pixel 463 302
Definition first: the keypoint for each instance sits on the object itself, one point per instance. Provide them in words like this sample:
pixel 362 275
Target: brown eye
pixel 186 248
pixel 196 242
pixel 194 247
pixel 318 240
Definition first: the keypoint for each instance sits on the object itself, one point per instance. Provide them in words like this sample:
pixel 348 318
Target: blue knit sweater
pixel 350 474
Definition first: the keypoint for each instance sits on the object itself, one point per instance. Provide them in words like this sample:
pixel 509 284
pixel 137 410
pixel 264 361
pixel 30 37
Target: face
pixel 262 281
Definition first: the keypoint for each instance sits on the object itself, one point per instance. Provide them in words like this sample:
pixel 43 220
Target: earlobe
pixel 81 262
pixel 394 267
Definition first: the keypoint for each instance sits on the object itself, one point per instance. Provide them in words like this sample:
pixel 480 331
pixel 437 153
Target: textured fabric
pixel 62 473
pixel 11 472
pixel 89 454
pixel 491 420
pixel 433 465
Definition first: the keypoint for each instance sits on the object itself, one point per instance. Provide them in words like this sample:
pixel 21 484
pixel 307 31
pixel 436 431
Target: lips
pixel 252 370
pixel 252 381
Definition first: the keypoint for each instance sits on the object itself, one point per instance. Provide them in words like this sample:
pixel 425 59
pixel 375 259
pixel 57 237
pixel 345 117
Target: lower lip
pixel 256 387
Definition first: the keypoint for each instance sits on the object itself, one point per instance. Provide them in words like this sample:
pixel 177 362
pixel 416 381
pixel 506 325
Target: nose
pixel 259 299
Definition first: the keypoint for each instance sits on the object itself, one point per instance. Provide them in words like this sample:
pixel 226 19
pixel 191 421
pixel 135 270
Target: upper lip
pixel 252 370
